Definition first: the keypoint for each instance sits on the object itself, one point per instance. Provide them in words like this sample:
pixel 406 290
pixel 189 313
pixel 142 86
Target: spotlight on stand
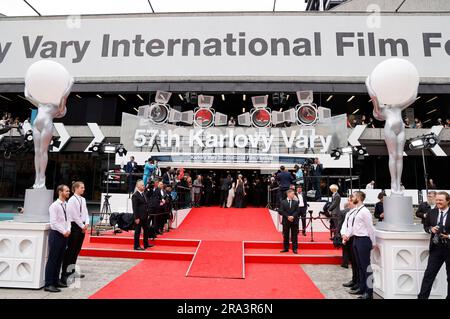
pixel 95 149
pixel 120 150
pixel 55 143
pixel 423 142
pixel 361 151
pixel 358 150
pixel 426 141
pixel 28 137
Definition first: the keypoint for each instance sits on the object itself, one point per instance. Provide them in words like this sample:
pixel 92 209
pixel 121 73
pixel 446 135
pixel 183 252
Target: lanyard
pixel 79 202
pixel 354 216
pixel 64 209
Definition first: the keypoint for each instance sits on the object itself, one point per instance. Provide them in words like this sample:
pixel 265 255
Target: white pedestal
pixel 23 254
pixel 35 209
pixel 399 262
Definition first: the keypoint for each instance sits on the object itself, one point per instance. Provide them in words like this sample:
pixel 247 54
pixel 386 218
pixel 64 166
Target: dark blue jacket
pixel 285 179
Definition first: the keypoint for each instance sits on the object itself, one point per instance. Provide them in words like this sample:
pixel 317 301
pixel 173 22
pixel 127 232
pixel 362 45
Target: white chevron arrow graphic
pixel 356 133
pixel 437 150
pixel 64 137
pixel 98 135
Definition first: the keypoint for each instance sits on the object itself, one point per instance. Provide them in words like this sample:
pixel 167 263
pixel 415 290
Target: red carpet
pixel 227 224
pixel 219 259
pixel 158 279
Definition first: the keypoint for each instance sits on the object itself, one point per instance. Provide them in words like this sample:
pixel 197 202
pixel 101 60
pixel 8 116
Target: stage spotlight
pixel 307 112
pixel 336 154
pixel 120 150
pixel 347 150
pixel 28 137
pixel 109 148
pixel 95 149
pixel 426 141
pixel 360 150
pixel 55 142
pixel 422 143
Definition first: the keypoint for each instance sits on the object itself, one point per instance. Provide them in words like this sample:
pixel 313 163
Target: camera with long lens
pixel 307 164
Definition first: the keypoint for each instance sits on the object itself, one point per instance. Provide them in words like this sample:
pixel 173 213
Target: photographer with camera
pixel 438 225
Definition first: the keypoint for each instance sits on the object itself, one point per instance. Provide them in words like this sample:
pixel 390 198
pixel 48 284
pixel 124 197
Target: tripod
pixel 105 212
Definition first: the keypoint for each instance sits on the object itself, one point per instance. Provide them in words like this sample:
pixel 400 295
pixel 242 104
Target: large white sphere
pixel 46 81
pixel 394 81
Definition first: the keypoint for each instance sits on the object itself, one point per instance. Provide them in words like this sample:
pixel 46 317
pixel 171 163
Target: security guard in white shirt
pixel 363 233
pixel 348 254
pixel 57 239
pixel 79 218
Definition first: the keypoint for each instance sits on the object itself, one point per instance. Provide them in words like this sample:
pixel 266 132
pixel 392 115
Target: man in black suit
pixel 316 172
pixel 289 209
pixel 155 207
pixel 437 224
pixel 302 206
pixel 285 180
pixel 225 187
pixel 131 168
pixel 425 207
pixel 140 204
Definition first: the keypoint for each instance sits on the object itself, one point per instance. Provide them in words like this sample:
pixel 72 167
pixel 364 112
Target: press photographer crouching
pixel 438 225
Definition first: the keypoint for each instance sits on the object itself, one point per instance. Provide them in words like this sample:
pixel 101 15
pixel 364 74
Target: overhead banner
pixel 191 146
pixel 331 47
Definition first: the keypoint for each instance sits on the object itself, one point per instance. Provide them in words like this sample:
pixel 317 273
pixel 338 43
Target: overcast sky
pixel 68 7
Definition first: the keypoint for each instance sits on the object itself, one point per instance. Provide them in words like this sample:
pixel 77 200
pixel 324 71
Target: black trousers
pixel 56 247
pixel 438 255
pixel 303 218
pixel 143 223
pixel 282 195
pixel 223 197
pixel 290 228
pixel 348 256
pixel 74 244
pixel 362 247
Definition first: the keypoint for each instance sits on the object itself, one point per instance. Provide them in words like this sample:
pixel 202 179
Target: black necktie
pixel 441 220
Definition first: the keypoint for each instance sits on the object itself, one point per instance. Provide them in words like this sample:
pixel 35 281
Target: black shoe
pixel 148 246
pixel 139 248
pixel 355 287
pixel 78 275
pixel 355 292
pixel 62 284
pixel 344 266
pixel 295 251
pixel 284 251
pixel 349 284
pixel 52 289
pixel 304 232
pixel 366 296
